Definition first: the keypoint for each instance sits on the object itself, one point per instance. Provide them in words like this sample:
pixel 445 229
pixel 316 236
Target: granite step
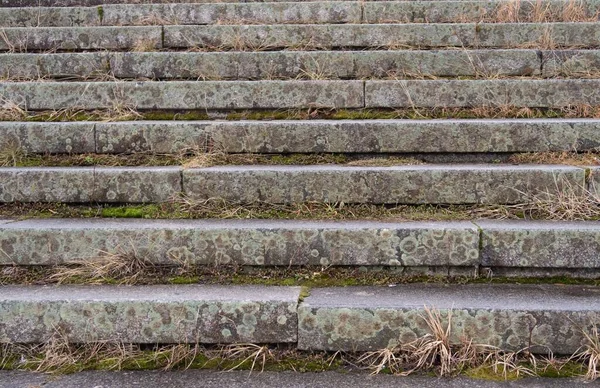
pixel 539 318
pixel 302 36
pixel 297 136
pixel 403 184
pixel 157 314
pixel 236 95
pixel 500 248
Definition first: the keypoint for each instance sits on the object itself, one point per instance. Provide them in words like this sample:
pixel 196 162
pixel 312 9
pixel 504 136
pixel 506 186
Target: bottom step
pixel 541 318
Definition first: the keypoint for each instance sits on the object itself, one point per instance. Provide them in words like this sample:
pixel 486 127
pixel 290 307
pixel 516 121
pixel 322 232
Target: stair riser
pixel 284 185
pixel 390 136
pixel 261 37
pixel 224 95
pixel 291 13
pixel 150 315
pixel 347 319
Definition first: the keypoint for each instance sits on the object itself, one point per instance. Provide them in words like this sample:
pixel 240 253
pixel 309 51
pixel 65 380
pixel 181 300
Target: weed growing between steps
pixel 11 112
pixel 432 353
pixel 131 268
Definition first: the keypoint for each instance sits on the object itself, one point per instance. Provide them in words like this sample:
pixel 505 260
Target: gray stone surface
pixel 394 136
pixel 22 39
pixel 244 242
pixel 323 64
pixel 571 63
pixel 540 244
pixel 39 137
pixel 499 35
pixel 31 66
pixel 243 379
pixel 89 184
pixel 466 11
pixel 149 314
pixel 136 184
pixel 185 94
pixel 490 93
pixel 234 13
pixel 49 17
pixel 425 184
pixel 71 3
pixel 59 184
pixel 511 317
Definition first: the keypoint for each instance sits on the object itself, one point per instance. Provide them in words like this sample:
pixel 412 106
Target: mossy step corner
pixel 420 184
pixel 539 318
pixel 297 136
pixel 499 245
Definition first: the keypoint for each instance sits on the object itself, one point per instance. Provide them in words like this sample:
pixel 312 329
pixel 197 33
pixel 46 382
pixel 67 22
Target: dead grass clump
pixel 540 11
pixel 122 266
pixel 590 353
pixel 567 158
pixel 144 46
pixel 11 154
pixel 11 111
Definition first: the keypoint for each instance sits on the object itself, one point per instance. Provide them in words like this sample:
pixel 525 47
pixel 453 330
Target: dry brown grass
pixel 566 158
pixel 144 46
pixel 540 11
pixel 590 353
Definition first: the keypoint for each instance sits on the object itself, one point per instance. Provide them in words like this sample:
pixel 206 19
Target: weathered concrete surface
pixel 571 63
pixel 71 3
pixel 53 138
pixel 324 64
pixel 233 13
pixel 185 94
pixel 512 317
pixel 136 184
pixel 32 66
pixel 498 35
pixel 245 242
pixel 194 378
pixel 80 38
pixel 149 314
pixel 491 93
pixel 425 184
pixel 89 184
pixel 540 244
pixel 394 136
pixel 467 11
pixel 49 17
pixel 60 184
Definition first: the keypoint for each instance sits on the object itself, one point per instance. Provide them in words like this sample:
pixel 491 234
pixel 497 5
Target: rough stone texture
pixel 234 13
pixel 137 184
pixel 328 64
pixel 79 38
pixel 462 11
pixel 149 314
pixel 498 35
pixel 185 94
pixel 425 184
pixel 394 136
pixel 257 242
pixel 44 138
pixel 59 184
pixel 491 93
pixel 64 65
pixel 83 184
pixel 511 317
pixel 49 17
pixel 540 244
pixel 571 63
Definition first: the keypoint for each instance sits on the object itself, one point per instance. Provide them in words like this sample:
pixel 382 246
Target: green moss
pixel 486 372
pixel 100 13
pixel 141 211
pixel 184 280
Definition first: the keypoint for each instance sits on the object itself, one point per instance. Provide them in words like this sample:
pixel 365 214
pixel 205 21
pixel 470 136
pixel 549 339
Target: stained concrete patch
pixel 511 317
pixel 149 314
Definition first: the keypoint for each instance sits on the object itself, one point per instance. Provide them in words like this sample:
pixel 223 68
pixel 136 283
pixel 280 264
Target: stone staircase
pixel 111 107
